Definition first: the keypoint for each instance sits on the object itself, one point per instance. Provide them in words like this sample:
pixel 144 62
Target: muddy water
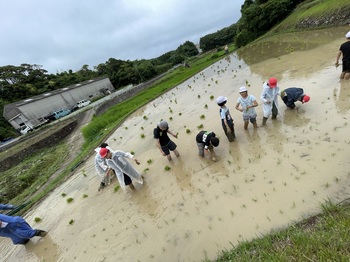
pixel 265 180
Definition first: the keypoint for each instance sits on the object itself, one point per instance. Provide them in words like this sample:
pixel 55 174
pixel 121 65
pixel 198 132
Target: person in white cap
pixel 246 104
pixel 269 97
pixel 163 142
pixel 226 118
pixel 344 51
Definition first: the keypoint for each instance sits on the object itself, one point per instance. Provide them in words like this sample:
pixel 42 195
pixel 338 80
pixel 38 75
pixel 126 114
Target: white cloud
pixel 62 35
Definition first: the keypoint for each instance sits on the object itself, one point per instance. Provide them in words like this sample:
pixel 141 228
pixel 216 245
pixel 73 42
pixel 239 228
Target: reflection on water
pixel 275 47
pixel 44 249
pixel 341 96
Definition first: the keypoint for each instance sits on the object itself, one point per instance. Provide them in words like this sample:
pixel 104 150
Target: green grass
pixel 323 237
pixel 312 10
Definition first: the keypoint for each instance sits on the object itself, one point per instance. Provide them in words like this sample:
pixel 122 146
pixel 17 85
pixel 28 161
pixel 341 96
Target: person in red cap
pixel 269 97
pixel 344 51
pixel 292 95
pixel 122 168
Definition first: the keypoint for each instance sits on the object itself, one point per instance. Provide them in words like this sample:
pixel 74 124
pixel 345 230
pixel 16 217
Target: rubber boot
pixel 264 121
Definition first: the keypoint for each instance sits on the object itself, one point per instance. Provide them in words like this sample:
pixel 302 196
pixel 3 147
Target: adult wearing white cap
pixel 269 97
pixel 344 51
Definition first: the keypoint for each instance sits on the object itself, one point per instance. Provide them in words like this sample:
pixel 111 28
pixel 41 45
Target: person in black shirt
pixel 344 51
pixel 206 141
pixel 164 144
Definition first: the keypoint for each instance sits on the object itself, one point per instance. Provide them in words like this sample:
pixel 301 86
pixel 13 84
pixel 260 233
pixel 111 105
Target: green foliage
pixel 324 237
pixel 260 16
pixel 220 38
pixel 33 172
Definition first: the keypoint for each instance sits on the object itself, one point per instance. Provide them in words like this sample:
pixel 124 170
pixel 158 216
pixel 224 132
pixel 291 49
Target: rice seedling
pixel 37 219
pixel 116 188
pixel 69 200
pixel 145 117
pixel 327 185
pixel 200 126
pixel 149 161
pixel 211 97
pixel 71 221
pixel 83 173
pixel 202 116
pixel 85 196
pixel 167 168
pixel 205 106
pixel 188 131
pixel 63 194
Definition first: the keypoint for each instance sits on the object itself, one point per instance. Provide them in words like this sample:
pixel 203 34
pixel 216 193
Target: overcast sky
pixel 67 34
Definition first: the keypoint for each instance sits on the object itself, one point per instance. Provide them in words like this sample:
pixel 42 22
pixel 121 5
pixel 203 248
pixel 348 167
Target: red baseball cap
pixel 103 152
pixel 272 82
pixel 306 99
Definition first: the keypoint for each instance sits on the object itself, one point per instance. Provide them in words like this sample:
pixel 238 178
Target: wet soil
pixel 191 208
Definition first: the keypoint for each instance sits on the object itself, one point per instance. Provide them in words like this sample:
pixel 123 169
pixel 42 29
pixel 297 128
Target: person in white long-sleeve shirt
pixel 122 168
pixel 101 166
pixel 269 97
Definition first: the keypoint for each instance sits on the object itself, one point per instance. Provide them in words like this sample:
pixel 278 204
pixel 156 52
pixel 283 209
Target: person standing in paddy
pixel 226 118
pixel 163 142
pixel 269 97
pixel 344 51
pixel 246 104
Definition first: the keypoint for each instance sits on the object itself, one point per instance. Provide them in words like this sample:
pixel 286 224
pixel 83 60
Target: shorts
pixel 201 148
pixel 346 66
pixel 171 146
pixel 127 179
pixel 251 118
